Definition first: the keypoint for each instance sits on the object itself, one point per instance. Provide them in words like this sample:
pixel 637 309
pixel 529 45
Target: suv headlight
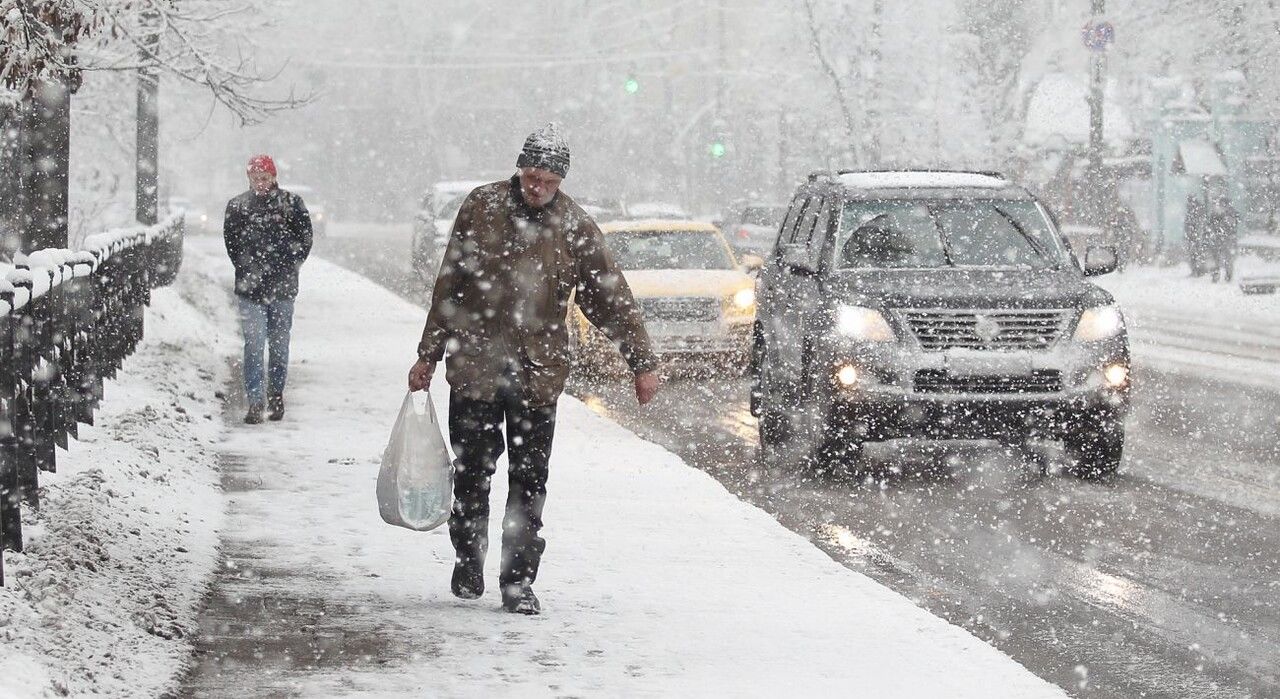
pixel 1099 323
pixel 744 299
pixel 866 324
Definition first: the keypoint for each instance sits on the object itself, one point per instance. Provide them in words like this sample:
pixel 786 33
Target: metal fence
pixel 68 319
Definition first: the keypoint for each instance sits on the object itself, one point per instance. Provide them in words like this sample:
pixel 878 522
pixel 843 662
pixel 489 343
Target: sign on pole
pixel 1098 34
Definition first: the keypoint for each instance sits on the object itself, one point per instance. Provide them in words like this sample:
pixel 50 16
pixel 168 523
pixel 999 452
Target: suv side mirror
pixel 1099 260
pixel 751 263
pixel 796 259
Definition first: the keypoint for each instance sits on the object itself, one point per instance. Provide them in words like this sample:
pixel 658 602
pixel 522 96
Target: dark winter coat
pixel 1194 220
pixel 268 237
pixel 502 297
pixel 1222 224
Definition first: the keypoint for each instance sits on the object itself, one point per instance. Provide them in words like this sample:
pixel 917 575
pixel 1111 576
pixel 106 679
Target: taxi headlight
pixel 866 324
pixel 1099 323
pixel 744 299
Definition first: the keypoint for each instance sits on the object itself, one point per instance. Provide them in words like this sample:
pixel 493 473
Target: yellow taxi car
pixel 698 302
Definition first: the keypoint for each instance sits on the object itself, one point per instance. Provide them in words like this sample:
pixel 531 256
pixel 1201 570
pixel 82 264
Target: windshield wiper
pixel 1036 245
pixel 942 236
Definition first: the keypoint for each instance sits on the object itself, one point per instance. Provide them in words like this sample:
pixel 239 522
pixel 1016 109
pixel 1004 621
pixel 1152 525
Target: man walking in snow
pixel 268 236
pixel 519 250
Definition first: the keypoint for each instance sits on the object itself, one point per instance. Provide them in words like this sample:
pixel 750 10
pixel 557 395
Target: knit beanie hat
pixel 262 163
pixel 545 149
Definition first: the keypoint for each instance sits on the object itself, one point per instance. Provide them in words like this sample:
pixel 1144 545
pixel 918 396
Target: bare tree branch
pixel 815 41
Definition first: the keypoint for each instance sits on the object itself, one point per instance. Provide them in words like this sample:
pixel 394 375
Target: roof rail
pixel 988 173
pixel 821 175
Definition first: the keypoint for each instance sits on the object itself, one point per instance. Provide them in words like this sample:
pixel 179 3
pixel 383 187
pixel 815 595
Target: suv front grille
pixel 942 329
pixel 682 309
pixel 1040 381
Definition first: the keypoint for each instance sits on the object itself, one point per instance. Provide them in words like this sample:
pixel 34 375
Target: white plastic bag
pixel 415 483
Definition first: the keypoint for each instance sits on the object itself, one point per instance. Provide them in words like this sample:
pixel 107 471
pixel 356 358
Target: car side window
pixel 809 223
pixel 818 232
pixel 794 216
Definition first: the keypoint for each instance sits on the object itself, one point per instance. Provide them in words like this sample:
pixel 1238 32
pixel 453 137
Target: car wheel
pixel 1096 447
pixel 734 365
pixel 775 437
pixel 837 450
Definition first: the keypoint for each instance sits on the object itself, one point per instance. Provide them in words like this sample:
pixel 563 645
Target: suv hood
pixel 967 288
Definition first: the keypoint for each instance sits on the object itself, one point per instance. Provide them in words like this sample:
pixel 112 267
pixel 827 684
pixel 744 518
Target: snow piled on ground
pixel 105 596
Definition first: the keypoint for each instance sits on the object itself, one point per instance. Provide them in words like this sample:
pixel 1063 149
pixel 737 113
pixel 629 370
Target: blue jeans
pixel 264 324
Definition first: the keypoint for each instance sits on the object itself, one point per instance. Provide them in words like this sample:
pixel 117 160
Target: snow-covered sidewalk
pixel 656 581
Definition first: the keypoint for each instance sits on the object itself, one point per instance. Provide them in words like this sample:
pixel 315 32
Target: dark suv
pixel 934 305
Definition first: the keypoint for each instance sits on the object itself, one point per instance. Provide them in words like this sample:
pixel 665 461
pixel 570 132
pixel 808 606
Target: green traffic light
pixel 717 150
pixel 632 86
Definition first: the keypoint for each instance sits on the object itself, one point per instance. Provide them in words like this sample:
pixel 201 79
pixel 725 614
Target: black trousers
pixel 475 432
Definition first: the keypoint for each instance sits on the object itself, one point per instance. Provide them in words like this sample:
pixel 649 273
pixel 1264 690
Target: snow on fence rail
pixel 68 319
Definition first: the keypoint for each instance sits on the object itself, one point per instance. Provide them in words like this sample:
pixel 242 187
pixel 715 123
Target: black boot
pixel 468 580
pixel 254 415
pixel 519 599
pixel 275 404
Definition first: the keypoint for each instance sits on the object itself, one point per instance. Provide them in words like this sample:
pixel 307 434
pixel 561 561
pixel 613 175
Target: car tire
pixel 1096 447
pixel 734 365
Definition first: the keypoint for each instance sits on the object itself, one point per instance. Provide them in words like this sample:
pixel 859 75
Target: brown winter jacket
pixel 502 296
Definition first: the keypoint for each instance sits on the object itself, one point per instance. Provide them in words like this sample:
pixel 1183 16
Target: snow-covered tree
pixel 50 45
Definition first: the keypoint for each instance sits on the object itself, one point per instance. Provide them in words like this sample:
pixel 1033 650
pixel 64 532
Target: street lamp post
pixel 1096 88
pixel 1100 33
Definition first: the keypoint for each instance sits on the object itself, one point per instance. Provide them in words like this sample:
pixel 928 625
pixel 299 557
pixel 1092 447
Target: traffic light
pixel 717 148
pixel 632 86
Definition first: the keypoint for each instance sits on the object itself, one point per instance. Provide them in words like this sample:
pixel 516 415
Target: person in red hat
pixel 268 236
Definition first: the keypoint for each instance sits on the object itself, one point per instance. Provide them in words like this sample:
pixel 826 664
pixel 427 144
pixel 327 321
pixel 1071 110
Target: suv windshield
pixel 669 250
pixel 915 234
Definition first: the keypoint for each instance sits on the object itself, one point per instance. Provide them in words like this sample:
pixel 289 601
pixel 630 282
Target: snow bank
pixel 104 598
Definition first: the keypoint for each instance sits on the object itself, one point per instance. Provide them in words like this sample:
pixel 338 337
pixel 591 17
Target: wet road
pixel 1163 581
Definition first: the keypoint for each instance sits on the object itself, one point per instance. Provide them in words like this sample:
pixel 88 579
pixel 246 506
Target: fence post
pixel 24 417
pixel 10 493
pixel 43 367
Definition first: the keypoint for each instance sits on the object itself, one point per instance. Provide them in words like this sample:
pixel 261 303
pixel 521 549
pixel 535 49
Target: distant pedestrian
pixel 1194 223
pixel 1222 224
pixel 1124 233
pixel 519 250
pixel 268 236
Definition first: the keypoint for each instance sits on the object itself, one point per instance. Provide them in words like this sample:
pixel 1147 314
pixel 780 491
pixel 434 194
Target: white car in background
pixel 434 220
pixel 315 206
pixel 196 217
